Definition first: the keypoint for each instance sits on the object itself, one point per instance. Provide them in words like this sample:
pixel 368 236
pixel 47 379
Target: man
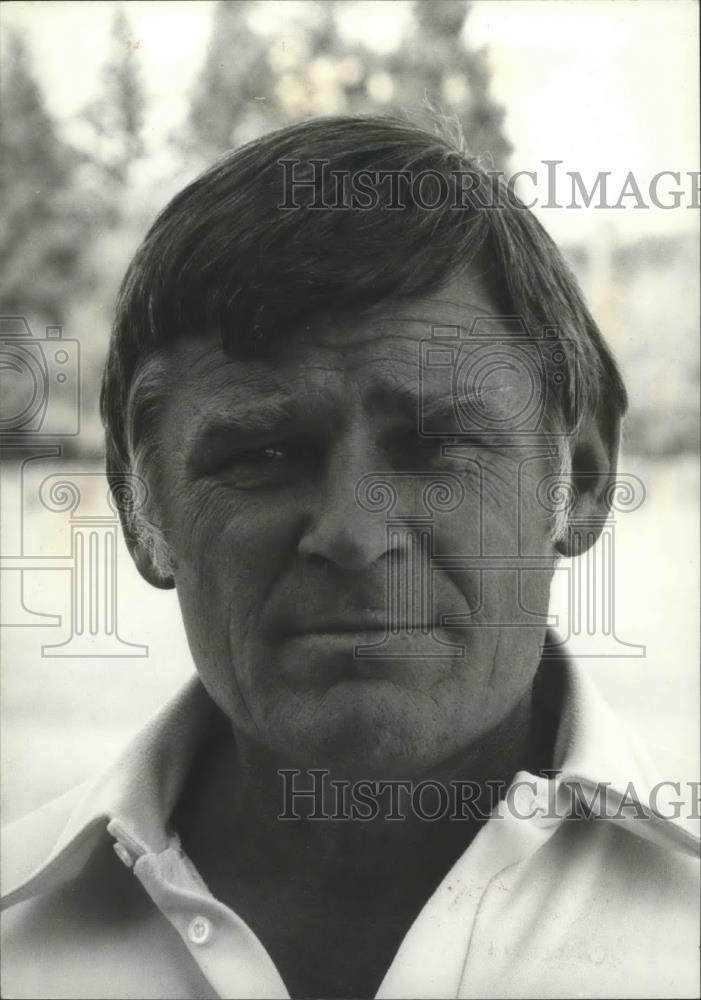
pixel 370 411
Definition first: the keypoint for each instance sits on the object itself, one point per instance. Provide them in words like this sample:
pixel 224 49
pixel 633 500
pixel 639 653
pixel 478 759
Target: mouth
pixel 366 626
pixel 365 645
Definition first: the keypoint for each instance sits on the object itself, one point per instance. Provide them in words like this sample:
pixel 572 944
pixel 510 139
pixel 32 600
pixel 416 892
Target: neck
pixel 234 814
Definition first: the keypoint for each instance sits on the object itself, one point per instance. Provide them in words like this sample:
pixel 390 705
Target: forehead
pixel 357 353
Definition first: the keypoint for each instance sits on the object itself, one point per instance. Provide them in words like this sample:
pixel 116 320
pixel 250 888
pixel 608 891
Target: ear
pixel 594 465
pixel 129 493
pixel 144 562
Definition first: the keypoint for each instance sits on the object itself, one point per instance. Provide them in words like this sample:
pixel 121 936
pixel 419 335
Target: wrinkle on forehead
pixel 382 342
pixel 457 303
pixel 407 319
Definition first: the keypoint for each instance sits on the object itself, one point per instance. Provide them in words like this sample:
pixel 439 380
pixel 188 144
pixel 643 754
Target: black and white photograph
pixel 349 499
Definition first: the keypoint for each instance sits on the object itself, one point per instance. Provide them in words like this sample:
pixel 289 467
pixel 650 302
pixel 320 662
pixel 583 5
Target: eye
pixel 269 466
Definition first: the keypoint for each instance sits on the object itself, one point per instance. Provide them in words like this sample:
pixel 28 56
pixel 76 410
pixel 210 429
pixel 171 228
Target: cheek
pixel 230 550
pixel 500 514
pixel 229 555
pixel 504 534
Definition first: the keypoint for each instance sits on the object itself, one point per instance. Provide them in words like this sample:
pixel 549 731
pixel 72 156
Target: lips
pixel 356 623
pixel 313 603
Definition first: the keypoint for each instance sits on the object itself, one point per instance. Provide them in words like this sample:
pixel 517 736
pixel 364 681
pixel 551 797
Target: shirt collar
pixel 136 795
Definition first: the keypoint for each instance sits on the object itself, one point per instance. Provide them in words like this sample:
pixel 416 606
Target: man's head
pixel 349 393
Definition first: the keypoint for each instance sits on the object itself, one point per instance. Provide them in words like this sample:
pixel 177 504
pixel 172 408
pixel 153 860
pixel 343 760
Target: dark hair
pixel 229 254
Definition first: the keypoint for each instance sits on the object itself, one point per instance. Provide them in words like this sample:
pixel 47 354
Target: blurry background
pixel 109 108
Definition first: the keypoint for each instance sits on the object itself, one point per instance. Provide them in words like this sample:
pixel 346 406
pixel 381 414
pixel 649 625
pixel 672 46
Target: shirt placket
pixel 228 953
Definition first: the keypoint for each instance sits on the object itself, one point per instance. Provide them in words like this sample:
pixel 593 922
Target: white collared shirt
pixel 538 905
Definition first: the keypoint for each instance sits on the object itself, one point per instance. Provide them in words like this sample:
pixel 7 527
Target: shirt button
pixel 199 930
pixel 123 854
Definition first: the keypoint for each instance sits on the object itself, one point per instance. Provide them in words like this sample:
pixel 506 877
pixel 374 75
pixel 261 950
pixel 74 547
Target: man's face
pixel 290 565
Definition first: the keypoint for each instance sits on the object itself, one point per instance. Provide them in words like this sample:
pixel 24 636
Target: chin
pixel 374 730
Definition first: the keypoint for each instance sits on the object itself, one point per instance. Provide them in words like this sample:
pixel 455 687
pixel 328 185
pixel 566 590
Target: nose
pixel 339 530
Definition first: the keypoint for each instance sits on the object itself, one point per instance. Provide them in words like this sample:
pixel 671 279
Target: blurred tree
pixel 41 235
pixel 263 70
pixel 235 71
pixel 117 115
pixel 438 64
pixel 67 229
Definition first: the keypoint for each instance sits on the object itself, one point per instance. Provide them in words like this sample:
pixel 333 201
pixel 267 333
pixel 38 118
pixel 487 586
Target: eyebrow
pixel 404 402
pixel 259 415
pixel 380 399
pixel 258 418
pixel 444 405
